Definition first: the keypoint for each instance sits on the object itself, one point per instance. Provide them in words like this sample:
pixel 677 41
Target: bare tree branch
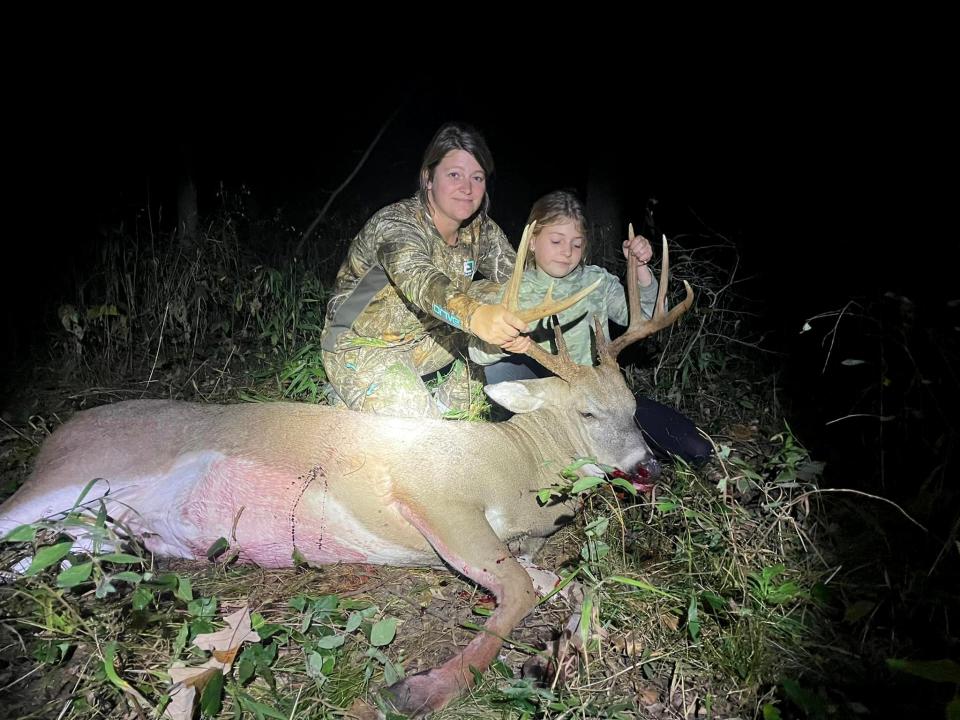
pixel 323 211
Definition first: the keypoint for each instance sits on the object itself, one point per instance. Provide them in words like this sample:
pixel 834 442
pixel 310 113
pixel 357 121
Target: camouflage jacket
pixel 607 302
pixel 400 279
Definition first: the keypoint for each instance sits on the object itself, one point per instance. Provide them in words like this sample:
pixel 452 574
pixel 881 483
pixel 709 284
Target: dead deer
pixel 343 486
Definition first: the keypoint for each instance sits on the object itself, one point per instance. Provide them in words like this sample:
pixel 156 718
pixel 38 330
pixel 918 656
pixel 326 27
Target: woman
pixel 400 308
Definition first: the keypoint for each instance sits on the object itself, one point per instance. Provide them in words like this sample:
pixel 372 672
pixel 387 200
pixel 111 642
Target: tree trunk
pixel 187 212
pixel 608 229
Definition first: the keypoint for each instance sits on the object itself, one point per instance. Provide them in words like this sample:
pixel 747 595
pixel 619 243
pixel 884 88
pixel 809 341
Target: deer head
pixel 596 398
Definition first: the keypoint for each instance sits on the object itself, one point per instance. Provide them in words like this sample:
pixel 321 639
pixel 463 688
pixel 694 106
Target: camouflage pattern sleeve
pixel 350 271
pixel 497 256
pixel 418 280
pixel 425 272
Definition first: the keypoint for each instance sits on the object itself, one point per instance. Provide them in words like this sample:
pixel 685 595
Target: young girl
pixel 557 250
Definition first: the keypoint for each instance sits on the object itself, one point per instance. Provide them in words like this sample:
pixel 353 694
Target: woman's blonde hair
pixel 555 207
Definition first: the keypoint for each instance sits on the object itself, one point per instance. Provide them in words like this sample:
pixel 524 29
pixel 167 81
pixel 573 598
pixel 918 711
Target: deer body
pixel 278 476
pixel 342 486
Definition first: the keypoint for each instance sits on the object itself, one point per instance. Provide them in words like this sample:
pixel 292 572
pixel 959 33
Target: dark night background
pixel 828 168
pixel 825 177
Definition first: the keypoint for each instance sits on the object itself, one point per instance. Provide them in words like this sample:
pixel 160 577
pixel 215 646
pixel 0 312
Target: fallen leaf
pixel 196 676
pixel 187 681
pixel 226 656
pixel 647 694
pixel 671 621
pixel 182 698
pixel 238 632
pixel 629 645
pixel 362 710
pixel 224 645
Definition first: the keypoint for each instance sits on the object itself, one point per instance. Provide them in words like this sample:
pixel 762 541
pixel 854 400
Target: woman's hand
pixel 518 345
pixel 640 248
pixel 496 325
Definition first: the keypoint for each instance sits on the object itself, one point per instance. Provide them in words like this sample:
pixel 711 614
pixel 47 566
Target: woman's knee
pixel 381 384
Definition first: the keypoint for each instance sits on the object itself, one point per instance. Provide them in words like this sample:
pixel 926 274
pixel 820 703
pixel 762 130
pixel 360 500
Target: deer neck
pixel 546 435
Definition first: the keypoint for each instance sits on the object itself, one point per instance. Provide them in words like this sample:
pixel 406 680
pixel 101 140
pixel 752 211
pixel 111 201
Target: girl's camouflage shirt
pixel 607 302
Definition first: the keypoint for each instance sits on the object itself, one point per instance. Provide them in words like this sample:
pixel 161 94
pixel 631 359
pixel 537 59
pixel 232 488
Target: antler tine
pixel 633 296
pixel 600 340
pixel 640 328
pixel 511 296
pixel 549 306
pixel 560 364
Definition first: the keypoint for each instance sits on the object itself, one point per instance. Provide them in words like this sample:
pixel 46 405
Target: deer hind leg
pixel 470 546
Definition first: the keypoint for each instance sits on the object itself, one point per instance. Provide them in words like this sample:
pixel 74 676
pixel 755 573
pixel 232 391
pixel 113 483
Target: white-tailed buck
pixel 343 486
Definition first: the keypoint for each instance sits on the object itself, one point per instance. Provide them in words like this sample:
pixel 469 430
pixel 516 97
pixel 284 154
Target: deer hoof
pixel 419 695
pixel 539 669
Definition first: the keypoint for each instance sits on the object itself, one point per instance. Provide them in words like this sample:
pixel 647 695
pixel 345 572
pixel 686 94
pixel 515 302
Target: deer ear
pixel 514 396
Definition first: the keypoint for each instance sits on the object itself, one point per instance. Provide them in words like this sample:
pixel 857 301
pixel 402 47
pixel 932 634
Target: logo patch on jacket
pixel 447 316
pixel 468 267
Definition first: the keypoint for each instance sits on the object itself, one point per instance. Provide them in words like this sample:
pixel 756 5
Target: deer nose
pixel 650 466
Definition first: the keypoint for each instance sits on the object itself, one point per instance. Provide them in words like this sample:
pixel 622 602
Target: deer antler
pixel 549 306
pixel 640 328
pixel 560 365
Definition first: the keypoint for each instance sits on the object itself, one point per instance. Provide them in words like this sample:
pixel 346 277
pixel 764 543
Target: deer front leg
pixel 468 543
pixel 544 581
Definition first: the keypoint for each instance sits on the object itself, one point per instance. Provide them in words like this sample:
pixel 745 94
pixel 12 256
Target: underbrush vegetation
pixel 724 591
